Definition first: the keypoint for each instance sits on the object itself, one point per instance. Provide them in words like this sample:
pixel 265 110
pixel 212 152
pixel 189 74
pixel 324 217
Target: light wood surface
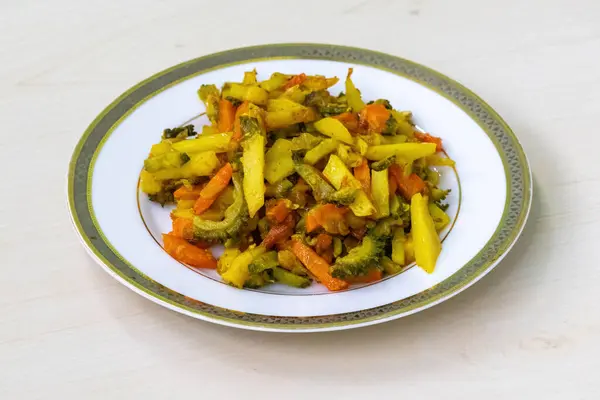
pixel 528 330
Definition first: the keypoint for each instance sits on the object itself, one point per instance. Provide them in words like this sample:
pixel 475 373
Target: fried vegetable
pixel 390 267
pixel 380 193
pixel 226 259
pixel 172 159
pixel 317 266
pixel 218 143
pixel 213 188
pixel 263 262
pixel 278 161
pixel 305 141
pixel 398 246
pixel 344 197
pixel 336 172
pixel 251 93
pixel 276 81
pixel 333 128
pixel 349 157
pixel 359 260
pixel 322 184
pixel 250 77
pixel 440 218
pixel 235 217
pixel 253 162
pixel 179 133
pixel 238 272
pixel 287 278
pixel 407 152
pixel 200 164
pixel 383 164
pixel 283 118
pixel 320 188
pixel 353 94
pixel 148 184
pixel 320 151
pixel 183 251
pixel 278 190
pixel 427 243
pixel 209 95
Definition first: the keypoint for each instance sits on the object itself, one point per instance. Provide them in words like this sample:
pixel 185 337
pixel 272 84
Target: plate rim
pixel 408 69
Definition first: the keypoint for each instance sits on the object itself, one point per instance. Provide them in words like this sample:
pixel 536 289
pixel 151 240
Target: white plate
pixel 489 204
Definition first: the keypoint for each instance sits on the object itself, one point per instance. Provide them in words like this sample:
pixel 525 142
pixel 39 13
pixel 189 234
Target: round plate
pixel 489 205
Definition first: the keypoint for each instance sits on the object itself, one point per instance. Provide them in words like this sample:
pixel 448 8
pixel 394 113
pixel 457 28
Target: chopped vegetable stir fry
pixel 299 185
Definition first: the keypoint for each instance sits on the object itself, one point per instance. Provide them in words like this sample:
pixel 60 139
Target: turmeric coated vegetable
pixel 183 251
pixel 213 188
pixel 299 183
pixel 427 243
pixel 317 266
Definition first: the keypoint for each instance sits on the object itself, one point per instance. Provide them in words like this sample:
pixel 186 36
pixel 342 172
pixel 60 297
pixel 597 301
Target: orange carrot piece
pixel 374 275
pixel 187 253
pixel 213 188
pixel 311 222
pixel 237 129
pixel 279 232
pixel 324 242
pixel 410 185
pixel 349 120
pixel 295 80
pixel 317 266
pixel 226 116
pixel 427 138
pixel 374 117
pixel 185 193
pixel 331 218
pixel 393 185
pixel 363 174
pixel 278 211
pixel 183 228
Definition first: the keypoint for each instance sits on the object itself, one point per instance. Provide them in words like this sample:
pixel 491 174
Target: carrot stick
pixel 373 276
pixel 427 138
pixel 226 116
pixel 277 212
pixel 187 253
pixel 410 185
pixel 407 185
pixel 363 175
pixel 374 117
pixel 317 266
pixel 349 120
pixel 279 232
pixel 183 228
pixel 213 188
pixel 295 80
pixel 185 193
pixel 237 129
pixel 324 242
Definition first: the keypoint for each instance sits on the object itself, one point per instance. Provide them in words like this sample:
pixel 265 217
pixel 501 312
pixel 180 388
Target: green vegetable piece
pixel 320 188
pixel 337 246
pixel 179 133
pixel 287 278
pixel 344 197
pixel 264 262
pixel 390 267
pixel 383 164
pixel 360 259
pixel 323 149
pixel 236 216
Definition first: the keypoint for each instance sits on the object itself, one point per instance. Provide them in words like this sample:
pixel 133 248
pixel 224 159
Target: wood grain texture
pixel 528 330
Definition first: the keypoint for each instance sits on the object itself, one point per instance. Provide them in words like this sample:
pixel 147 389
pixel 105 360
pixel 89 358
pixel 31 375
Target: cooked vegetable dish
pixel 299 185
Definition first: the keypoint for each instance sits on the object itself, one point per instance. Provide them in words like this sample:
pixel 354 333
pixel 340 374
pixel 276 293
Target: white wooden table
pixel 528 330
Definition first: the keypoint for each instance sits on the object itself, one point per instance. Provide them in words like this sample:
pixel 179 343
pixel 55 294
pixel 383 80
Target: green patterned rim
pixel 516 210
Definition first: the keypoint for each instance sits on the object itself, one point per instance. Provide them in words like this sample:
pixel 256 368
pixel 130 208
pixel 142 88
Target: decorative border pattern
pixel 519 188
